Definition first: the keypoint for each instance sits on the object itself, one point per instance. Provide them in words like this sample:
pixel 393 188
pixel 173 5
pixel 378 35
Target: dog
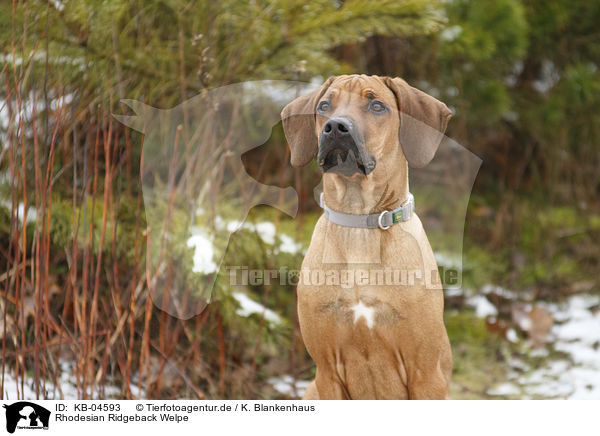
pixel 370 340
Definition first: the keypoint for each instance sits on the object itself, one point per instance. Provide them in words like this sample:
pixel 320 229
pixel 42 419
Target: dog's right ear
pixel 299 119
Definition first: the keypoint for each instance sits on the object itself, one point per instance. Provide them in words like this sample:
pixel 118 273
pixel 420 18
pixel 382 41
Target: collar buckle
pixel 379 220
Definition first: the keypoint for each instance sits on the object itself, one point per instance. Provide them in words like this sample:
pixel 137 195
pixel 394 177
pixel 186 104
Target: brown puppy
pixel 369 306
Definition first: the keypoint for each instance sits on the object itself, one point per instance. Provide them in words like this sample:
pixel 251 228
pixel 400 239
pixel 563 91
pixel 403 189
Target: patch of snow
pixel 511 335
pixel 579 336
pixel 203 253
pixel 549 77
pixel 483 308
pixel 552 380
pixel 550 388
pixel 504 389
pixel 249 307
pixel 576 333
pixel 515 363
pixel 539 352
pixel 541 375
pixel 448 260
pixel 66 382
pixel 285 385
pixel 11 387
pixel 451 33
pixel 499 290
pixel 454 292
pixel 283 91
pixel 288 245
pixel 20 213
pixel 525 323
pixel 40 56
pixel 234 226
pixel 266 231
pixel 586 382
pixel 59 5
pixel 581 353
pixel 61 102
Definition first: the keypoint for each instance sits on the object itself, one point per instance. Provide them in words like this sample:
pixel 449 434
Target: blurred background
pixel 75 319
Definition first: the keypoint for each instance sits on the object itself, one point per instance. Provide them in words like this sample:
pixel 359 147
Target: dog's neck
pixel 359 195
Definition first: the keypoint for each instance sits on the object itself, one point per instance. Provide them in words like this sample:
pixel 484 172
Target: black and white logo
pixel 26 415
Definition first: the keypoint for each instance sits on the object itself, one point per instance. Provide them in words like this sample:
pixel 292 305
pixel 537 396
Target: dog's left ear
pixel 299 119
pixel 423 121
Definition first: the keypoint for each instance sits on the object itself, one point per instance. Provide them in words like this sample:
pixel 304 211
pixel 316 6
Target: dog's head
pixel 351 123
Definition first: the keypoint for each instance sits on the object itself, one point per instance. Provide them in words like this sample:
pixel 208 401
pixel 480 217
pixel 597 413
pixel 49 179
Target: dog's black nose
pixel 337 128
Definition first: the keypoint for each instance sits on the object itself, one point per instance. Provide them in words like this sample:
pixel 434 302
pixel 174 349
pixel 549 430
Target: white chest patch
pixel 366 312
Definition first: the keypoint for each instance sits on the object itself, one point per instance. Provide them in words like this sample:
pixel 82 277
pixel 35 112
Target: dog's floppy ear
pixel 299 125
pixel 423 121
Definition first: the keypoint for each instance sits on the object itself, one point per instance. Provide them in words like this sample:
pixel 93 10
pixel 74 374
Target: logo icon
pixel 26 415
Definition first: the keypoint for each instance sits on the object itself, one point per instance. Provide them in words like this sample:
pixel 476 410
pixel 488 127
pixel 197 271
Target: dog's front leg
pixel 432 386
pixel 311 392
pixel 329 387
pixel 428 376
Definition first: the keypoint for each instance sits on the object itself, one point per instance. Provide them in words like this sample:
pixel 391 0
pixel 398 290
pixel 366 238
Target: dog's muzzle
pixel 342 149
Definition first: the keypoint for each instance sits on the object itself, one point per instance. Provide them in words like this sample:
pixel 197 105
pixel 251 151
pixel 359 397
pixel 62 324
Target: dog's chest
pixel 356 335
pixel 350 316
pixel 344 301
pixel 356 309
pixel 358 278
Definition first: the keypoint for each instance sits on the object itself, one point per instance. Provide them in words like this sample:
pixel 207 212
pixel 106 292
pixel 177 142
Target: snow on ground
pixel 499 290
pixel 20 212
pixel 287 386
pixel 576 333
pixel 448 260
pixel 249 307
pixel 505 389
pixel 451 33
pixel 203 253
pixel 482 306
pixel 66 385
pixel 11 388
pixel 574 374
pixel 289 245
pixel 265 229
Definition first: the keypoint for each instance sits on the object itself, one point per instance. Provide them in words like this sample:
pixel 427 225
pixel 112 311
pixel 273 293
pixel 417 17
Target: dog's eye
pixel 377 106
pixel 323 106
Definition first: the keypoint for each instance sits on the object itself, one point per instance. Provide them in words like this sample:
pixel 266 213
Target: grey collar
pixel 383 220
